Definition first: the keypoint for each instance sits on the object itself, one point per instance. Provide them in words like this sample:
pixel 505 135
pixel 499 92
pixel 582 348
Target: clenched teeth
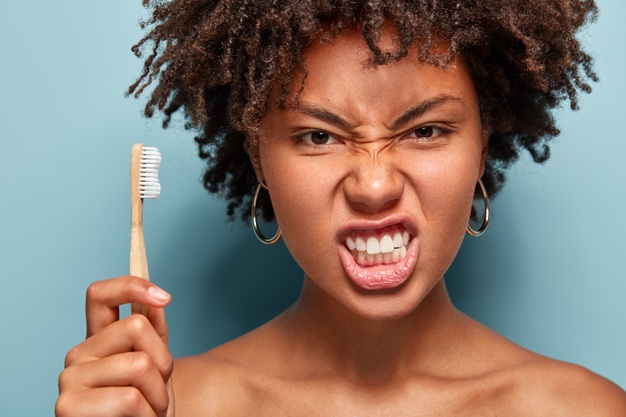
pixel 388 249
pixel 372 245
pixel 365 259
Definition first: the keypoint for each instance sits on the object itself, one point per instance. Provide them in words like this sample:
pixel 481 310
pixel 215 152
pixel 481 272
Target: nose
pixel 373 185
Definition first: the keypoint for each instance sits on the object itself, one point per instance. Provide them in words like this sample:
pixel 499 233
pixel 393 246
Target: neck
pixel 337 341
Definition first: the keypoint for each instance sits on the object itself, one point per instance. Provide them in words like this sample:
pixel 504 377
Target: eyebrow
pixel 324 115
pixel 422 108
pixel 413 113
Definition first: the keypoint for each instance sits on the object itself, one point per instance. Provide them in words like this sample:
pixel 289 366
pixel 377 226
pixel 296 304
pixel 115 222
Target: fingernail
pixel 158 294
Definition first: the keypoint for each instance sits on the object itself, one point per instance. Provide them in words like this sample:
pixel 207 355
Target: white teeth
pixel 372 251
pixel 386 244
pixel 387 258
pixel 397 240
pixel 373 246
pixel 367 259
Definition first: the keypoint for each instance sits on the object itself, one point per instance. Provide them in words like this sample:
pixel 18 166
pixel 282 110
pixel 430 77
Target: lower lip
pixel 382 277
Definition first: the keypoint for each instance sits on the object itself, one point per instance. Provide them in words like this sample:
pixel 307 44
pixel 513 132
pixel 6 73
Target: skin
pixel 343 350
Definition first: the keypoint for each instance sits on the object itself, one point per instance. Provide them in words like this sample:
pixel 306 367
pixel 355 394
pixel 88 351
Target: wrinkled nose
pixel 373 185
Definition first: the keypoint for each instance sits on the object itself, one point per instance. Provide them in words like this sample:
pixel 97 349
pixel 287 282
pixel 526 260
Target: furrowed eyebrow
pixel 336 120
pixel 324 115
pixel 422 108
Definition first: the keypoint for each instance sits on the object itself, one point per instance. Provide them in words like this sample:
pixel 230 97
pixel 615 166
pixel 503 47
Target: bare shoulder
pixel 553 388
pixel 249 376
pixel 523 383
pixel 209 384
pixel 227 380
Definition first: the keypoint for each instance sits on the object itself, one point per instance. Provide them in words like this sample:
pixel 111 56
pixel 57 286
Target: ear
pixel 258 171
pixel 253 155
pixel 483 154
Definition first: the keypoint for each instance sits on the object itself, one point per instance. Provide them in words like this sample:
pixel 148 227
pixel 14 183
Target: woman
pixel 367 130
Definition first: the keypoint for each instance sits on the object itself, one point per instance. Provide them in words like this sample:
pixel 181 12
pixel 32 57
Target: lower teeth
pixel 365 259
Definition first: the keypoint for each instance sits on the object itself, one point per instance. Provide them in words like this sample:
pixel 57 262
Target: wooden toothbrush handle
pixel 138 262
pixel 138 259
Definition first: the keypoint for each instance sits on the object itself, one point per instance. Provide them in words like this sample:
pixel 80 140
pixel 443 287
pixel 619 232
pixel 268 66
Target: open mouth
pixel 384 246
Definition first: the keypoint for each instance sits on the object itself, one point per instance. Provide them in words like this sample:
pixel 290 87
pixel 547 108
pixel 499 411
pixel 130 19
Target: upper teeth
pixel 373 245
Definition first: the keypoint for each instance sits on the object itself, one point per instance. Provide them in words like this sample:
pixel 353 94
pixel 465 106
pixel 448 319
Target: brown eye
pixel 318 138
pixel 426 132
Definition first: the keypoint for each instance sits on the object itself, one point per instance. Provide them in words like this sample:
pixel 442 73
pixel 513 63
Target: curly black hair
pixel 219 60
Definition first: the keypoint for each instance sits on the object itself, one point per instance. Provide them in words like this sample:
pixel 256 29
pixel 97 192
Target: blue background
pixel 549 274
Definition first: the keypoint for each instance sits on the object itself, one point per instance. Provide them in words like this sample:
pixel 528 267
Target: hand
pixel 123 367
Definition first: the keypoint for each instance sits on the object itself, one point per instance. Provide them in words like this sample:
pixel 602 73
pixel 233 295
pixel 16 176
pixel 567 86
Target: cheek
pixel 303 201
pixel 304 197
pixel 299 195
pixel 445 190
pixel 303 211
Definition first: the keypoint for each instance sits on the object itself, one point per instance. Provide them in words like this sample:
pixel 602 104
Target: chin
pixel 393 304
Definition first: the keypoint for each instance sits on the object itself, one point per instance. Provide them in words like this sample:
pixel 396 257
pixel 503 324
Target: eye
pixel 425 132
pixel 317 137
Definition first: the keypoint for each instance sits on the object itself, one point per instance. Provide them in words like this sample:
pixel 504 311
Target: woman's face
pixel 372 174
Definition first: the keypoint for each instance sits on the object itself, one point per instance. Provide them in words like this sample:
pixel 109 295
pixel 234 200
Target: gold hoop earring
pixel 483 227
pixel 255 225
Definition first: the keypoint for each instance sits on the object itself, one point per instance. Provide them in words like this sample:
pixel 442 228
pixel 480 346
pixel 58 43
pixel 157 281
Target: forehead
pixel 341 73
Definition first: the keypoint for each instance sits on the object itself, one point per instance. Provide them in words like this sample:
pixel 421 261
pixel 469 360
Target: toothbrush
pixel 144 183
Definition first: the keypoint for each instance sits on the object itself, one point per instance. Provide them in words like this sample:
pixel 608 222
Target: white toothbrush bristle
pixel 149 186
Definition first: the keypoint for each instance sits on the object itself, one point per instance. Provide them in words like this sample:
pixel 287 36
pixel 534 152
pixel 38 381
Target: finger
pixel 134 333
pixel 134 369
pixel 105 402
pixel 157 318
pixel 170 393
pixel 105 297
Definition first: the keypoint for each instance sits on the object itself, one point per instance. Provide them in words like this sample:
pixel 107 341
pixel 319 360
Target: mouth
pixel 378 247
pixel 379 259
